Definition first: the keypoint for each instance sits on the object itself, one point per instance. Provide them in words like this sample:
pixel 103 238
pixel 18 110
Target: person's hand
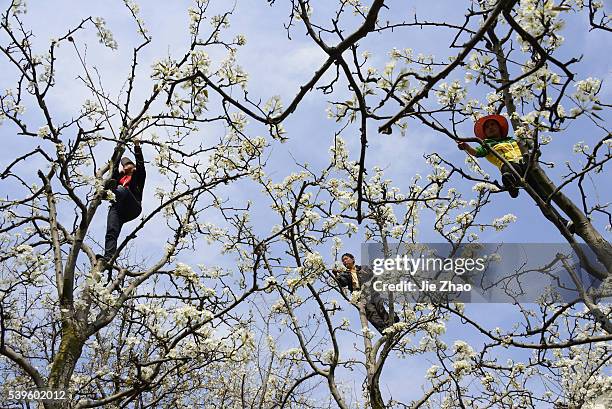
pixel 462 146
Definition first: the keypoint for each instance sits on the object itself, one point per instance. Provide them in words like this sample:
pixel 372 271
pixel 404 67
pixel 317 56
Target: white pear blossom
pixel 44 131
pixel 104 34
pixel 501 223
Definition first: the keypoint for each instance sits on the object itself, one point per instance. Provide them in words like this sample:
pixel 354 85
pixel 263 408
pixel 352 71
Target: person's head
pixel 491 127
pixel 492 130
pixel 128 166
pixel 348 260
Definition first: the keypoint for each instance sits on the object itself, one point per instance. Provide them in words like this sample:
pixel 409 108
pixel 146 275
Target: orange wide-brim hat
pixel 501 121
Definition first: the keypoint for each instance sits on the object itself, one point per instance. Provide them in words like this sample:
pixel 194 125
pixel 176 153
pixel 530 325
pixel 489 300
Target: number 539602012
pixel 36 394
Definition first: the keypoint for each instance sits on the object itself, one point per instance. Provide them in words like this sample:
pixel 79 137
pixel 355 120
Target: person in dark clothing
pixel 354 277
pixel 127 186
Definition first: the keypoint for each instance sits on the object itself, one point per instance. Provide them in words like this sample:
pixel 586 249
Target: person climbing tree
pixel 354 277
pixel 493 131
pixel 127 185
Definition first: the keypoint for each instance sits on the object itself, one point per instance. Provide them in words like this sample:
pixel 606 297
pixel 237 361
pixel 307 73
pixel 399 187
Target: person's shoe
pixel 104 262
pixel 509 182
pixel 508 179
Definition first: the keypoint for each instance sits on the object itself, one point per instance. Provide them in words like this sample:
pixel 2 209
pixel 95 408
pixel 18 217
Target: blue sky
pixel 278 67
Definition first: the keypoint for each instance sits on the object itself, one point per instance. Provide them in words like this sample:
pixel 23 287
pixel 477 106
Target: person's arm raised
pixel 140 165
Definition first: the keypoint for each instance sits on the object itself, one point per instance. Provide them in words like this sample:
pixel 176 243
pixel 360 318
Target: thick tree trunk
pixel 376 400
pixel 596 242
pixel 373 389
pixel 69 352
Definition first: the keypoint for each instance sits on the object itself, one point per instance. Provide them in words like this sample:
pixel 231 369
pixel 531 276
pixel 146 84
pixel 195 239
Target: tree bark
pixel 373 389
pixel 69 352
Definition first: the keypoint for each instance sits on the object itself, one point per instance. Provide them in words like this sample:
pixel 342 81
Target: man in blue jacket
pixel 127 186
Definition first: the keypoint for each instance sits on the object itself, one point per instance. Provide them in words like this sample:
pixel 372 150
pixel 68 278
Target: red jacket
pixel 136 183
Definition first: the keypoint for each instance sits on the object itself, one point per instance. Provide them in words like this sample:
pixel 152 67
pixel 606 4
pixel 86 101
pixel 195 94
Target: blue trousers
pixel 124 209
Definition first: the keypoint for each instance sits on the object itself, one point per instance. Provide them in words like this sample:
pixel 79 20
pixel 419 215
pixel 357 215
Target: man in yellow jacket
pixel 493 130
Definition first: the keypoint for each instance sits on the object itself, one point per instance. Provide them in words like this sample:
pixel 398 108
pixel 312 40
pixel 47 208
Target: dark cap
pixel 125 161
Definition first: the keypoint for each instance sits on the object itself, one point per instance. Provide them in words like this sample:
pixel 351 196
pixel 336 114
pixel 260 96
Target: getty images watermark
pixel 425 265
pixel 483 272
